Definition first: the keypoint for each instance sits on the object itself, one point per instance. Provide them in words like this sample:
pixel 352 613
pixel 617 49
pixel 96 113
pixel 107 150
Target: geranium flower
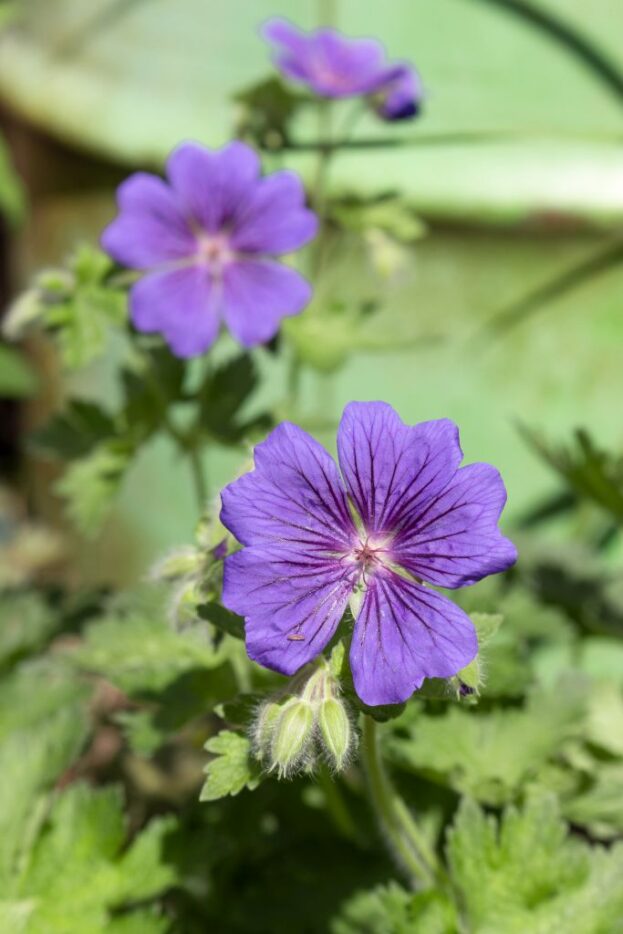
pixel 206 239
pixel 336 66
pixel 402 513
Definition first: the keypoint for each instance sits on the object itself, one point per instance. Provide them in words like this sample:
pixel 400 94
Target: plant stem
pixel 336 806
pixel 399 827
pixel 199 481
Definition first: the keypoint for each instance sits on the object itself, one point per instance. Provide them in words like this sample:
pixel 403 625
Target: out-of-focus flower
pixel 337 66
pixel 404 513
pixel 206 240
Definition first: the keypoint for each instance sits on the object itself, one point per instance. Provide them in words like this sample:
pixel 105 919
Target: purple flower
pixel 333 65
pixel 206 238
pixel 403 514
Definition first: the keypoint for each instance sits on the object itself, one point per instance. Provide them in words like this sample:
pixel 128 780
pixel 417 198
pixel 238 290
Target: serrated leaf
pixel 527 874
pixel 232 769
pixel 75 431
pixel 86 835
pixel 390 909
pixel 491 755
pixel 90 484
pixel 223 395
pixel 27 622
pixel 142 654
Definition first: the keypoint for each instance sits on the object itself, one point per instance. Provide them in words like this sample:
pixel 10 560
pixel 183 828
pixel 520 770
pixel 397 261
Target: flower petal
pixel 391 468
pixel 275 219
pixel 401 94
pixel 212 185
pixel 454 540
pixel 292 603
pixel 403 634
pixel 293 498
pixel 182 305
pixel 150 228
pixel 257 294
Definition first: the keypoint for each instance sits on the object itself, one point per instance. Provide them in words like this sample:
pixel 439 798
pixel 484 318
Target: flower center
pixel 214 250
pixel 369 554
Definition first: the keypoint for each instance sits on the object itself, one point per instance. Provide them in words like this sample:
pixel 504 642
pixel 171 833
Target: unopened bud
pixel 183 606
pixel 336 731
pixel 293 733
pixel 264 728
pixel 180 563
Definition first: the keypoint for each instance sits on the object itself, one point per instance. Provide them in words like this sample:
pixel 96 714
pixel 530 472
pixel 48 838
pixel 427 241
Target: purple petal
pixel 293 498
pixel 403 634
pixel 391 468
pixel 401 95
pixel 257 295
pixel 150 228
pixel 331 64
pixel 182 305
pixel 213 185
pixel 292 603
pixel 275 219
pixel 454 540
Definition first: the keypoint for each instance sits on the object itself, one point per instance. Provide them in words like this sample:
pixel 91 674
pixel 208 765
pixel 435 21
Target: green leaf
pixel 75 431
pixel 491 755
pixel 142 654
pixel 222 396
pixel 27 622
pixel 152 383
pixel 86 836
pixel 266 110
pixel 232 769
pixel 388 213
pixel 17 380
pixel 85 309
pixel 90 484
pixel 527 874
pixel 223 619
pixel 390 909
pixel 591 473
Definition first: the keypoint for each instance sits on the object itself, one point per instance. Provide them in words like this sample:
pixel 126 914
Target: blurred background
pixel 506 308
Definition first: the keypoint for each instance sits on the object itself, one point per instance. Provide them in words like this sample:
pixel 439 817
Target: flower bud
pixel 264 728
pixel 180 563
pixel 336 731
pixel 292 736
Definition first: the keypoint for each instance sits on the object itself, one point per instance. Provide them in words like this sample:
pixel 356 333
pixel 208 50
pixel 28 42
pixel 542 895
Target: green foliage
pixel 232 768
pixel 75 431
pixel 91 483
pixel 11 191
pixel 27 622
pixel 265 112
pixel 528 874
pixel 591 473
pixel 390 909
pixel 491 755
pixel 17 380
pixel 78 871
pixel 222 395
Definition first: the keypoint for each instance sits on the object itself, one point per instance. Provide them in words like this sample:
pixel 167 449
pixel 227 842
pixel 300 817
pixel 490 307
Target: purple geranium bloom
pixel 206 239
pixel 402 513
pixel 336 66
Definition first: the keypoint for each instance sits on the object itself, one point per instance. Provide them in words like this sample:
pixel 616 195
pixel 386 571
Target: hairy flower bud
pixel 336 731
pixel 292 736
pixel 264 728
pixel 177 565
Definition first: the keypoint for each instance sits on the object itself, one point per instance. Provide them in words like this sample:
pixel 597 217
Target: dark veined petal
pixel 293 499
pixel 292 603
pixel 274 219
pixel 392 469
pixel 403 634
pixel 454 540
pixel 182 305
pixel 150 228
pixel 211 186
pixel 257 294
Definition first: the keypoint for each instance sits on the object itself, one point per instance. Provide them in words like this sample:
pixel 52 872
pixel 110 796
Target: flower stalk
pixel 400 829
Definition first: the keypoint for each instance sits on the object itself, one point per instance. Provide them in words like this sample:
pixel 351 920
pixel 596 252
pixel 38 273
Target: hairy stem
pixel 400 829
pixel 198 476
pixel 336 806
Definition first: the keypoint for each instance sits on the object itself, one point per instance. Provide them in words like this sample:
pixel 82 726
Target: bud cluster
pixel 290 733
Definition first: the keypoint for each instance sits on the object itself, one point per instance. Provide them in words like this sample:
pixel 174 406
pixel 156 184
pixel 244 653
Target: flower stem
pixel 198 476
pixel 336 806
pixel 402 832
